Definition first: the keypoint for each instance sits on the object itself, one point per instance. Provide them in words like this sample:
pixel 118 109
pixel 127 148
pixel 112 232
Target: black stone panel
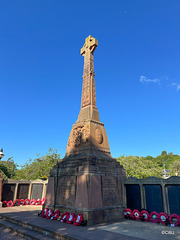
pixel 133 197
pixel 174 198
pixel 154 200
pixel 23 190
pixel 37 191
pixel 8 192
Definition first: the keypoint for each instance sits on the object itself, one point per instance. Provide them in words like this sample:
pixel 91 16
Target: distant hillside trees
pixel 142 167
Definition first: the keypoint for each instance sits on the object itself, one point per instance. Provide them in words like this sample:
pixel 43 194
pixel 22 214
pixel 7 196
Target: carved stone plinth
pixel 90 184
pixel 88 180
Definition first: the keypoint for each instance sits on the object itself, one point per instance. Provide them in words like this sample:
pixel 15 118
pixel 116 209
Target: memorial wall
pixel 23 189
pixel 153 194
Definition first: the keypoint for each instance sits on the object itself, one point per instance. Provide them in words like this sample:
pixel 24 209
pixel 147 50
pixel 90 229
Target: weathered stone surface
pixel 91 184
pixel 66 188
pixel 82 193
pixel 50 191
pixel 88 130
pixel 88 180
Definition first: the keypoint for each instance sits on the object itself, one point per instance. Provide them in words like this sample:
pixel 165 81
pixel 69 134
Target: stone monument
pixel 88 180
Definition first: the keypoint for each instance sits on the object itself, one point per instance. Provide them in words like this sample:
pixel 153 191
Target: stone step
pixel 23 232
pixel 30 231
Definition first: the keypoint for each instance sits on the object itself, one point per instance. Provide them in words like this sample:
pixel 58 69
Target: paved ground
pixel 125 230
pixel 143 230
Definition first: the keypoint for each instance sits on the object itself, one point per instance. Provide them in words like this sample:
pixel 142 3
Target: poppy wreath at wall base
pixel 49 214
pixel 22 202
pixel 55 215
pixel 145 216
pixel 38 202
pixel 17 202
pixel 78 220
pixel 43 201
pixel 70 218
pixel 163 218
pixel 26 201
pixel 63 217
pixel 154 217
pixel 33 202
pixel 43 214
pixel 4 204
pixel 128 213
pixel 10 204
pixel 136 214
pixel 174 220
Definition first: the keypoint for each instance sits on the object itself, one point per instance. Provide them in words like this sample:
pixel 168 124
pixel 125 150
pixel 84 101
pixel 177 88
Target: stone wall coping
pixel 153 180
pixel 24 181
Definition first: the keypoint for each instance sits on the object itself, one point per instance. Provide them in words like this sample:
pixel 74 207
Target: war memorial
pixel 88 180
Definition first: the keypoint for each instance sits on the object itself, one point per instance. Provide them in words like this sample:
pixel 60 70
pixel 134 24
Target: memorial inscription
pixel 133 196
pixel 23 190
pixel 174 198
pixel 8 192
pixel 154 200
pixel 37 191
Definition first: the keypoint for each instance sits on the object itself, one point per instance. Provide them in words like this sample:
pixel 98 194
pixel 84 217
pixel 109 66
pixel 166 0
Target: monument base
pixel 90 183
pixel 94 216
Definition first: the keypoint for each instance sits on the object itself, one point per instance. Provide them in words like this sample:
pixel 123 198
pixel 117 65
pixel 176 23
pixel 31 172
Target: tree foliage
pixel 142 167
pixel 8 168
pixel 38 168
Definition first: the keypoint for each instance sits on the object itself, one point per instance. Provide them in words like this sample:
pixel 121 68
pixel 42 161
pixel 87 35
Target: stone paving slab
pixel 143 230
pixel 125 229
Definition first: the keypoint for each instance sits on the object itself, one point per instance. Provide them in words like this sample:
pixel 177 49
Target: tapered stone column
pixel 88 132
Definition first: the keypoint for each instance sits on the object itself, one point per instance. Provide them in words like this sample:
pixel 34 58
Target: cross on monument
pixel 88 133
pixel 88 100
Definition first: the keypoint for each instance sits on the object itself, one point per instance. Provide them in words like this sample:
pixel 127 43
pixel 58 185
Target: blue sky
pixel 136 66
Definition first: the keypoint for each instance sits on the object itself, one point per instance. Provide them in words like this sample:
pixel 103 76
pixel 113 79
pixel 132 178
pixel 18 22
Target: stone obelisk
pixel 88 180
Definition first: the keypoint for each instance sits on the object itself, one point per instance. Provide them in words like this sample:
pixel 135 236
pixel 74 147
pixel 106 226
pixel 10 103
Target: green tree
pixel 8 168
pixel 175 167
pixel 164 153
pixel 39 167
pixel 140 167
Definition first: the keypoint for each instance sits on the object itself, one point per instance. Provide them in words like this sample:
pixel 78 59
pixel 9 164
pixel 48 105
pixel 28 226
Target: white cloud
pixel 177 86
pixel 144 79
